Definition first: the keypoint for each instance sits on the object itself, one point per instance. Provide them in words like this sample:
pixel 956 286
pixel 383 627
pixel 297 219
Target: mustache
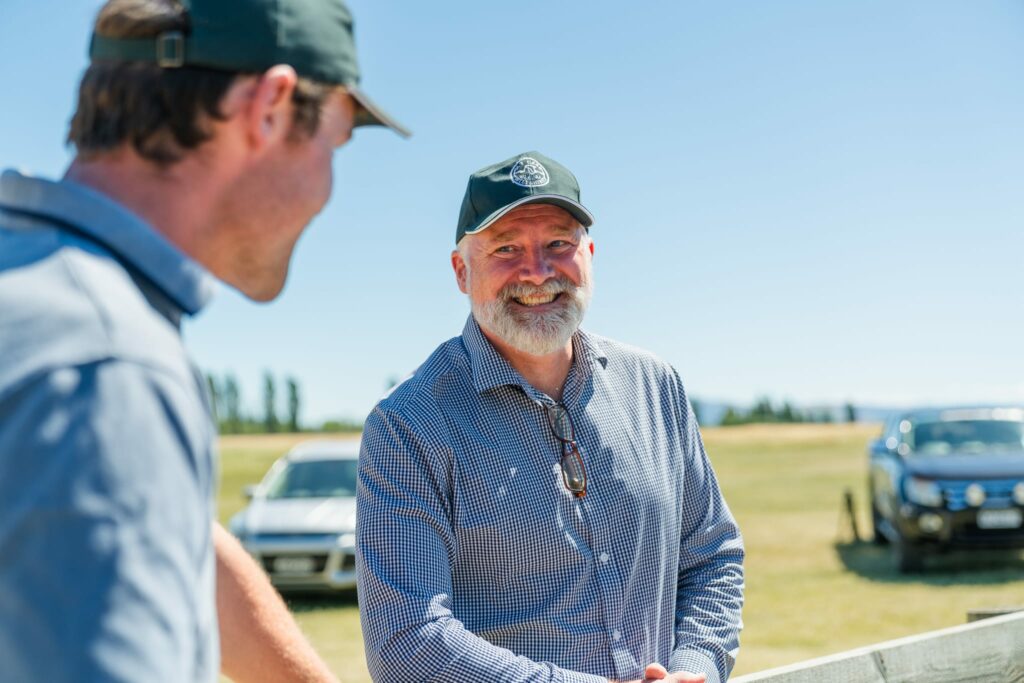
pixel 515 290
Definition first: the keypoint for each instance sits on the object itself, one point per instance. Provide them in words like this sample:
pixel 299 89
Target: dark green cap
pixel 312 36
pixel 527 178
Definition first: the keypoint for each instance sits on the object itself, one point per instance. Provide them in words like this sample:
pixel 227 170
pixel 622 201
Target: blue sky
pixel 817 201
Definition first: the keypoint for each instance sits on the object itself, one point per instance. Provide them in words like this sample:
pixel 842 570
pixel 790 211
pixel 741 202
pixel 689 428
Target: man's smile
pixel 538 299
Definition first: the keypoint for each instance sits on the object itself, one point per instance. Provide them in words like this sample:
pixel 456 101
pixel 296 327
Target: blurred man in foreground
pixel 204 133
pixel 535 502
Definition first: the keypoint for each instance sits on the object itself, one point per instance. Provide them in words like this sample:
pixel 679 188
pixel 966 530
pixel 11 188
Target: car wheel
pixel 909 556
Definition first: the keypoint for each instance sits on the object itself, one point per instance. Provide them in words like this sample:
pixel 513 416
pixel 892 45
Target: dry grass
pixel 782 434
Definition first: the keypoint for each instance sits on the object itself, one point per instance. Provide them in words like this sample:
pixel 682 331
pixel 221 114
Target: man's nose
pixel 536 268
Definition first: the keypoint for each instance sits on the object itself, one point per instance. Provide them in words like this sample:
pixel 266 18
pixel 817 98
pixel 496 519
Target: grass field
pixel 811 591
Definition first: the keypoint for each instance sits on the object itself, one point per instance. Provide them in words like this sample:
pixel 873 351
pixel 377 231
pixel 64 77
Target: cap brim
pixel 370 114
pixel 578 211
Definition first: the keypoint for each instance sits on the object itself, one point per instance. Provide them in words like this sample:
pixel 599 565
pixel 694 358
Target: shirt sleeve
pixel 104 529
pixel 405 544
pixel 709 596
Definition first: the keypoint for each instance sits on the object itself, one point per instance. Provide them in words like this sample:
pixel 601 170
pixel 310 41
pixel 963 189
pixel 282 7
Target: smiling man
pixel 535 502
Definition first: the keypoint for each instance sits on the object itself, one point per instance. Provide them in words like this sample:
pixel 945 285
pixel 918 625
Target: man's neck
pixel 545 373
pixel 166 199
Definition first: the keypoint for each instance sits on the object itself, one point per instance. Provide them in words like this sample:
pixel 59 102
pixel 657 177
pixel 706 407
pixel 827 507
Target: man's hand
pixel 686 677
pixel 656 672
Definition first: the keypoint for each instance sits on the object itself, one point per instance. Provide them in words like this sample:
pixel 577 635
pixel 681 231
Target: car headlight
pixel 924 492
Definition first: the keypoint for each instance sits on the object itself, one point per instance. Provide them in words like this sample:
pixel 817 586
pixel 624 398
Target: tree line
pixel 765 411
pixel 231 418
pixel 226 403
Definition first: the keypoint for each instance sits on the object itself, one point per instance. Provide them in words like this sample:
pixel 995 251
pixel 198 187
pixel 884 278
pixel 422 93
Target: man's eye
pixel 507 249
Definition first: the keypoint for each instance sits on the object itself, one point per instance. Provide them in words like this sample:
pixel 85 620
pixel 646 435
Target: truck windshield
pixel 959 437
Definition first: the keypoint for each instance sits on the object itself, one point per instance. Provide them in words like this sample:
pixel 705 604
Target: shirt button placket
pixel 611 592
pixel 609 582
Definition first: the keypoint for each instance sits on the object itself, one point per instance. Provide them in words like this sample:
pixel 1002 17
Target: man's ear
pixel 461 271
pixel 269 111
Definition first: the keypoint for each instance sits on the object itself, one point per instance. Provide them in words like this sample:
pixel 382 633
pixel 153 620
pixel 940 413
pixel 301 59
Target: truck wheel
pixel 909 556
pixel 876 517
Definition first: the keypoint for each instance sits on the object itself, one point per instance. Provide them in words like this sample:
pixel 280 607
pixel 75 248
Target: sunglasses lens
pixel 558 416
pixel 573 475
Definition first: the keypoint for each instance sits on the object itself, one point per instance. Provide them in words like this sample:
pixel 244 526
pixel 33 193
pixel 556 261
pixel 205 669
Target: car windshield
pixel 314 479
pixel 960 437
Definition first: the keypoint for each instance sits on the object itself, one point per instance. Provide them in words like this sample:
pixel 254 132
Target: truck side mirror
pixel 878 447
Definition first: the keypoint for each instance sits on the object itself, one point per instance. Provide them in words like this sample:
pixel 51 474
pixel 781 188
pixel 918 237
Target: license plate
pixel 999 519
pixel 293 565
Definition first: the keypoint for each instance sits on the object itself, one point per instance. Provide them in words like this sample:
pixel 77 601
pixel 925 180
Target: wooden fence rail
pixel 990 650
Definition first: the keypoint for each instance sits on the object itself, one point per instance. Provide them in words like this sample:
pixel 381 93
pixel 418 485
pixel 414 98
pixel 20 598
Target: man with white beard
pixel 535 502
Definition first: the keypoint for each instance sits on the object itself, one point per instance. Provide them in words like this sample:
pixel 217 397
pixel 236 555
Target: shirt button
pixel 616 634
pixel 603 558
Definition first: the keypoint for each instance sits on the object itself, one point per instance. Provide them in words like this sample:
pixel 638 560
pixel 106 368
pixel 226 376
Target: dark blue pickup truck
pixel 948 478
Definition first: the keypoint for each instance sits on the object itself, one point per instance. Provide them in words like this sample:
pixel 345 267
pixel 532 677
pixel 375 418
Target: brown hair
pixel 161 113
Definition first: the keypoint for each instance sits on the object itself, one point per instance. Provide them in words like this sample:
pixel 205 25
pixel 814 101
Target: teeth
pixel 536 299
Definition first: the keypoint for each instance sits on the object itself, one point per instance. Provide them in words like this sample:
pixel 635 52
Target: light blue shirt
pixel 106 446
pixel 477 564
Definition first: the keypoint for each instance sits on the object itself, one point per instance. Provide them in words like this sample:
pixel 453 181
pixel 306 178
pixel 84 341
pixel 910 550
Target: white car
pixel 301 521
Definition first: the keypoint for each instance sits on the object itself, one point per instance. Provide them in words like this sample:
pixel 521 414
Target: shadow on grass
pixel 314 602
pixel 957 567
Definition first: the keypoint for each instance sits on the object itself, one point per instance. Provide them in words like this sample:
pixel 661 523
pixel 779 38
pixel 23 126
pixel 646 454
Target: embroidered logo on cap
pixel 528 172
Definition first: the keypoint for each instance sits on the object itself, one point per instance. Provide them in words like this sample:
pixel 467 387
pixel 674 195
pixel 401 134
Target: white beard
pixel 536 333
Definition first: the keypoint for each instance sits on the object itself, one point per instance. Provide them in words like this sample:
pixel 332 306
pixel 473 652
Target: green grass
pixel 811 591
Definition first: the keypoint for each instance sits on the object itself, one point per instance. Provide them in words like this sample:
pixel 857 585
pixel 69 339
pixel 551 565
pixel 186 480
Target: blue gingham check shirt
pixel 475 562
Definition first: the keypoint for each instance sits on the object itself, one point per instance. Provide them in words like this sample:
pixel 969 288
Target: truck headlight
pixel 924 492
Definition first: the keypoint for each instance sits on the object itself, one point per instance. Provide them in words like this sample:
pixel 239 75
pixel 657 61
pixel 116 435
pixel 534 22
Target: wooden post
pixel 851 513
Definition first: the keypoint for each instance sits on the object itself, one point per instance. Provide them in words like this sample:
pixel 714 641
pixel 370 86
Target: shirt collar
pixel 100 218
pixel 490 369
